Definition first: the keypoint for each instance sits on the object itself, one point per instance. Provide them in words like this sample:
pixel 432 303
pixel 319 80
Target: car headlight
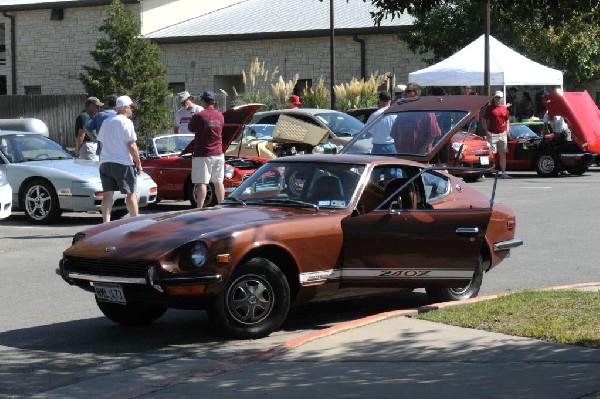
pixel 229 171
pixel 195 257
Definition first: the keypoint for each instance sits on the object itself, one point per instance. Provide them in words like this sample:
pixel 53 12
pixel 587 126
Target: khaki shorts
pixel 498 142
pixel 208 169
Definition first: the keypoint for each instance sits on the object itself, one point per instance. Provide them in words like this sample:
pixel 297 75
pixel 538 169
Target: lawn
pixel 562 316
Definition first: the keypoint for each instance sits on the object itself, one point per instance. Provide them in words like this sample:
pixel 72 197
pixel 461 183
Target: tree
pixel 563 35
pixel 129 65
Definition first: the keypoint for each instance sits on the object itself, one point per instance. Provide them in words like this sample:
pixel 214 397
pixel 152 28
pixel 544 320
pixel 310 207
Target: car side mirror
pixel 395 206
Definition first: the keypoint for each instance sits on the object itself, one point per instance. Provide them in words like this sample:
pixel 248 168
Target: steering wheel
pixel 42 155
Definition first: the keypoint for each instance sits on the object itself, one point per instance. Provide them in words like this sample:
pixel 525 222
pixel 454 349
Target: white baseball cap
pixel 124 101
pixel 499 93
pixel 400 89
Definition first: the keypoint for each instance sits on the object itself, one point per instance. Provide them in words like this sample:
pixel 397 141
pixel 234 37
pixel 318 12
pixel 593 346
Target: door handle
pixel 467 230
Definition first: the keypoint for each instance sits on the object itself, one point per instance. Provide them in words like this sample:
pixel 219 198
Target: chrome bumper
pixel 504 245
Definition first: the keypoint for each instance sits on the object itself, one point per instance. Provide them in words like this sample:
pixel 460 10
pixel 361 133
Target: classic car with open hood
pixel 168 159
pixel 529 148
pixel 301 228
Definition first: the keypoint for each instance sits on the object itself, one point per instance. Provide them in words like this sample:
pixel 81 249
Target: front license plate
pixel 110 293
pixel 484 160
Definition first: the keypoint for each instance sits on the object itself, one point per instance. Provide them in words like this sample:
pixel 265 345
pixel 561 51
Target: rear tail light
pixel 511 224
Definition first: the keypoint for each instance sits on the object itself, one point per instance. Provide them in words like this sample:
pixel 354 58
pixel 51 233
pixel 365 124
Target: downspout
pixel 13 51
pixel 363 67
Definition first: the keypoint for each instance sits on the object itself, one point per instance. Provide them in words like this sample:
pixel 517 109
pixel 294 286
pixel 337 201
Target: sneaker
pixel 504 176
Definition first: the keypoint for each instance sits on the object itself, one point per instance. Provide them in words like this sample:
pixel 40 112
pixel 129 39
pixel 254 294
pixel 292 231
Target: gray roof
pixel 19 5
pixel 256 19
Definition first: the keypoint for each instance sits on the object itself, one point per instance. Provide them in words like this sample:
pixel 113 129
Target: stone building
pixel 205 46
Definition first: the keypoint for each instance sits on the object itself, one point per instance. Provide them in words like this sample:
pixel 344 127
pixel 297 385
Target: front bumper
pixel 147 276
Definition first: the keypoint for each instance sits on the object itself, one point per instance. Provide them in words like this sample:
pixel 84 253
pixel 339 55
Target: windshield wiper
pixel 234 199
pixel 291 201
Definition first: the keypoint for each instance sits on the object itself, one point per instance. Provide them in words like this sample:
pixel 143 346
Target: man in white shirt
pixel 382 142
pixel 119 160
pixel 184 115
pixel 557 124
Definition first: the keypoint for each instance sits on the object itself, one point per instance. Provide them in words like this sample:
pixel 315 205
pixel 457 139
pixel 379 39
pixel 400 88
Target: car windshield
pixel 521 132
pixel 19 148
pixel 409 132
pixel 343 125
pixel 300 184
pixel 169 145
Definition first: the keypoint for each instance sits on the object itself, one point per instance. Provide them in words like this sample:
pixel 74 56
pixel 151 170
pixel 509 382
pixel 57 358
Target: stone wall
pixel 51 54
pixel 197 63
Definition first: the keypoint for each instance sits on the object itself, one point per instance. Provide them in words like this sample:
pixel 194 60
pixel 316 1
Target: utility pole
pixel 332 52
pixel 486 72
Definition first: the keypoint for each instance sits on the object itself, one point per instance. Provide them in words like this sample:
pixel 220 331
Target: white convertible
pixel 47 180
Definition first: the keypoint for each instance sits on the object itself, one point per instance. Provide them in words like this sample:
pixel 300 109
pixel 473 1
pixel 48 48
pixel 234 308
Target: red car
pixel 168 160
pixel 549 154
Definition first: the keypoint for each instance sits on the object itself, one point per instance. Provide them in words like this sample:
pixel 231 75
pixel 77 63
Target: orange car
pixel 344 225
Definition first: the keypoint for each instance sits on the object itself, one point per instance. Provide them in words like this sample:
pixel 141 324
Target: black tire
pixel 40 202
pixel 254 303
pixel 133 313
pixel 459 293
pixel 211 197
pixel 547 164
pixel 472 177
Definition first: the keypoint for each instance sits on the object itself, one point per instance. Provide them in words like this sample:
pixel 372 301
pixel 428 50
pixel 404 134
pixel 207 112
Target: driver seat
pixel 408 194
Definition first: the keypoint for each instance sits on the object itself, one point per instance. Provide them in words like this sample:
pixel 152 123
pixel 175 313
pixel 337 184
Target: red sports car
pixel 168 160
pixel 549 154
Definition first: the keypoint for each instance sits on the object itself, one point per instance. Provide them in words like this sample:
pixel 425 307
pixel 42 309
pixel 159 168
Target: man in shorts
pixel 208 162
pixel 496 119
pixel 119 160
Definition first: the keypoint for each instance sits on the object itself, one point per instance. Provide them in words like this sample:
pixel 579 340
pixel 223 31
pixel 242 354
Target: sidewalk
pixel 384 356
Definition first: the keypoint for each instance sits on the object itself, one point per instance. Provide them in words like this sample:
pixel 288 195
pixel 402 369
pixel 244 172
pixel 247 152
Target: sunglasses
pixel 409 91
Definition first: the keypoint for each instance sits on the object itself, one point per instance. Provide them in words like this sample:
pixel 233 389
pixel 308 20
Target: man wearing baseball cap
pixel 119 160
pixel 184 114
pixel 496 123
pixel 208 162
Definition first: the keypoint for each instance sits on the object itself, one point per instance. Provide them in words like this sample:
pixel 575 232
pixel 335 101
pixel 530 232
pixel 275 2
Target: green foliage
pixel 563 316
pixel 127 64
pixel 563 35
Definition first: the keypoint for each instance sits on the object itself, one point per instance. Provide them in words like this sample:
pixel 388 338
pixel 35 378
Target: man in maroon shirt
pixel 208 162
pixel 496 119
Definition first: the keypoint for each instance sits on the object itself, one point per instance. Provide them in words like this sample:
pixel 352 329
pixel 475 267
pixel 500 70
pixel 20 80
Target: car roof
pixel 12 132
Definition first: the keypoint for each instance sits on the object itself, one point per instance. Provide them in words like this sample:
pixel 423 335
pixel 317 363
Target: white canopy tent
pixel 507 68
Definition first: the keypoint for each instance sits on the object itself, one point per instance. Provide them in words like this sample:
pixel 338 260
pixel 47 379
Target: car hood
pixel 235 118
pixel 82 170
pixel 152 236
pixel 470 104
pixel 582 116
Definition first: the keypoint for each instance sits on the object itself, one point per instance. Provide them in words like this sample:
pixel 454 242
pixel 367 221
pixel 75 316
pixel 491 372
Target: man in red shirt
pixel 496 119
pixel 208 162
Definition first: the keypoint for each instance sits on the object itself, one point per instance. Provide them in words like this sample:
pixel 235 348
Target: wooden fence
pixel 59 111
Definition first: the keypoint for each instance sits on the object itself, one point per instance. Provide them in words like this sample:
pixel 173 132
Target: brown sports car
pixel 303 228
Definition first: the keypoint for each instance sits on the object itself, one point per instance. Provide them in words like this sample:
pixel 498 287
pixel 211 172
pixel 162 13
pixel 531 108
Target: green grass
pixel 563 316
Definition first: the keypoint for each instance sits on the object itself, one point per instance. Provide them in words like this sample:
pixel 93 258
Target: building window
pixel 33 90
pixel 176 87
pixel 228 82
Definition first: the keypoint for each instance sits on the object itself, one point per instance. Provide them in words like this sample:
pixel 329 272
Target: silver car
pixel 47 180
